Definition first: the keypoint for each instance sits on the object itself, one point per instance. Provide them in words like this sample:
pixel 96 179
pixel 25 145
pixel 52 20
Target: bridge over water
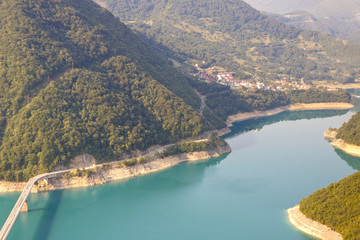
pixel 22 199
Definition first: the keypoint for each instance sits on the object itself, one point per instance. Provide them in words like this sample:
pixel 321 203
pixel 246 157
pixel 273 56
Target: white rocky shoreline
pixel 310 227
pixel 341 144
pixel 103 173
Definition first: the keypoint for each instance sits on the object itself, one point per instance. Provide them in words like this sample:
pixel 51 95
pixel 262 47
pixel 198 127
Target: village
pixel 227 78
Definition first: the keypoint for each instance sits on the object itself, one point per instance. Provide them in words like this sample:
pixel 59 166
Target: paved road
pixel 199 111
pixel 22 199
pixel 202 104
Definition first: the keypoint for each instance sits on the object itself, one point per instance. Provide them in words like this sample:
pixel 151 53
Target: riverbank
pixel 310 227
pixel 101 174
pixel 345 147
pixel 306 225
pixel 293 107
pixel 341 144
pixel 330 134
pixel 115 173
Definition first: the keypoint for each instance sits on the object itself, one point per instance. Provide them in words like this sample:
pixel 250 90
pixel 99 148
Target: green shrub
pixel 143 160
pixel 130 162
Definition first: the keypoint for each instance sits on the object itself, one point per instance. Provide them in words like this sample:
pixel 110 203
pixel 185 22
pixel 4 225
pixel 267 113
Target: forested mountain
pixel 231 34
pixel 339 18
pixel 337 206
pixel 74 80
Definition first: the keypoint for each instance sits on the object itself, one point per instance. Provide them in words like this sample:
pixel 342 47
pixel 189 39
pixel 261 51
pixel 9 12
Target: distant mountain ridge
pixel 234 35
pixel 339 18
pixel 320 8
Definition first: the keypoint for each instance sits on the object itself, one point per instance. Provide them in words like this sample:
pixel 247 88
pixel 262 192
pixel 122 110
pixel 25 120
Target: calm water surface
pixel 275 162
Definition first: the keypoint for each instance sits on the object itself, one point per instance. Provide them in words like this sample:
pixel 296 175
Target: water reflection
pixel 44 227
pixel 356 101
pixel 352 161
pixel 259 123
pixel 192 174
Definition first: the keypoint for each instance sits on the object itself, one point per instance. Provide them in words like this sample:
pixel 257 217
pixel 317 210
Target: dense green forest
pixel 224 101
pixel 230 102
pixel 337 206
pixel 233 35
pixel 316 95
pixel 350 131
pixel 103 113
pixel 74 80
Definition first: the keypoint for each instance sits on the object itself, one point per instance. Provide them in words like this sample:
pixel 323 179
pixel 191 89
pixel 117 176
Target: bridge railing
pixel 5 230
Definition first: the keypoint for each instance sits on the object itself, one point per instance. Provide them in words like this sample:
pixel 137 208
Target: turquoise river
pixel 274 163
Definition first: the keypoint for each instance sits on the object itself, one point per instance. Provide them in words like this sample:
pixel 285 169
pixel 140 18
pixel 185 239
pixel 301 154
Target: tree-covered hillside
pixel 337 206
pixel 233 35
pixel 318 95
pixel 41 39
pixel 74 80
pixel 350 131
pixel 224 101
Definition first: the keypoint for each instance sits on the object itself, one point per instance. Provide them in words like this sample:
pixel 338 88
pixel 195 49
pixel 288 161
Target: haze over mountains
pixel 339 18
pixel 283 6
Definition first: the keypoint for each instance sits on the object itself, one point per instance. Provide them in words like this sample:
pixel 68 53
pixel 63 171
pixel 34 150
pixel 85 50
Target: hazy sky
pixel 282 6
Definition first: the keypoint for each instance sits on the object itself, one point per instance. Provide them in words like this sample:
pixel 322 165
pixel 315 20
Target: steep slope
pixel 232 34
pixel 74 79
pixel 337 206
pixel 40 39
